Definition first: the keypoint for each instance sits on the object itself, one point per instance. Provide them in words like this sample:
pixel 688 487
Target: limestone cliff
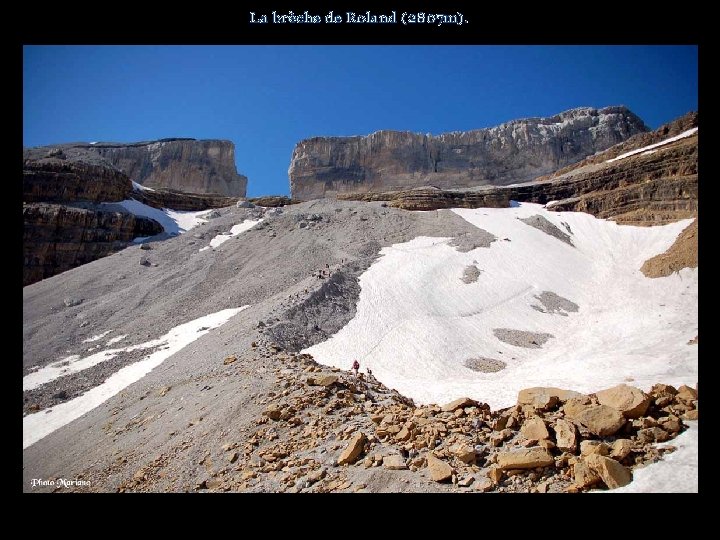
pixel 189 165
pixel 648 188
pixel 513 152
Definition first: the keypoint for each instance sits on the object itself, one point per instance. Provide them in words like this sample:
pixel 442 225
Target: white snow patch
pixel 204 248
pixel 116 339
pixel 417 322
pixel 234 231
pixel 40 424
pixel 650 146
pixel 648 152
pixel 96 338
pixel 140 187
pixel 677 472
pixel 173 221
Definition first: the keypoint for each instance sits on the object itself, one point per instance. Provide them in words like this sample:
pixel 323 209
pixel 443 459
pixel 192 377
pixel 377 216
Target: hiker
pixel 355 368
pixel 370 375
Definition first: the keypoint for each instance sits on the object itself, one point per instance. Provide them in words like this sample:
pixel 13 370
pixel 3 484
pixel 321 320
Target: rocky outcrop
pixel 272 201
pixel 682 254
pixel 513 152
pixel 187 165
pixel 59 237
pixel 58 179
pixel 177 200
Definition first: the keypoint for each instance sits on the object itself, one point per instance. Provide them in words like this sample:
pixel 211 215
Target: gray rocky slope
pixel 263 267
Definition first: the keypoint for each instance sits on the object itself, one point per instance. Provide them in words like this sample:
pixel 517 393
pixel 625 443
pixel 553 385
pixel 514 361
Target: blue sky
pixel 267 98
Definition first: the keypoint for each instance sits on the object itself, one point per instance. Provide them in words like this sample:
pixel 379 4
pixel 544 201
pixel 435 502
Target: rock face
pixel 75 230
pixel 58 237
pixel 177 200
pixel 57 180
pixel 644 189
pixel 187 165
pixel 517 151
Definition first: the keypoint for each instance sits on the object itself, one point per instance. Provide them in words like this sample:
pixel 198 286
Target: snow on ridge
pixel 235 230
pixel 645 149
pixel 417 322
pixel 140 187
pixel 38 425
pixel 172 221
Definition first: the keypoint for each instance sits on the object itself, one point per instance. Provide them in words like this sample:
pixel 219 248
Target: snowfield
pixel 417 322
pixel 40 424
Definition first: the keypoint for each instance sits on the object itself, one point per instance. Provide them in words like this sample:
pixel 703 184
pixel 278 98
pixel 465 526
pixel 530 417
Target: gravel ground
pixel 471 274
pixel 542 224
pixel 484 365
pixel 521 338
pixel 555 304
pixel 465 242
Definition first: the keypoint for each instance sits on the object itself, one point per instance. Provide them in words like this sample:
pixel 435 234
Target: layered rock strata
pixel 513 152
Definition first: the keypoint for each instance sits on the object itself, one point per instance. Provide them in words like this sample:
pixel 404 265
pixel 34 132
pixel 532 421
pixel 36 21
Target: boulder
pixel 229 359
pixel 273 411
pixel 526 458
pixel 686 394
pixel 620 449
pixel 612 473
pixel 584 475
pixel 439 470
pixel 353 449
pixel 322 380
pixel 630 401
pixel 691 415
pixel 544 397
pixel 663 390
pixel 534 429
pixel 574 406
pixel 653 434
pixel 566 436
pixel 460 403
pixel 464 453
pixel 671 426
pixel 594 447
pixel 600 420
pixel 495 475
pixel 394 462
pixel 465 482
